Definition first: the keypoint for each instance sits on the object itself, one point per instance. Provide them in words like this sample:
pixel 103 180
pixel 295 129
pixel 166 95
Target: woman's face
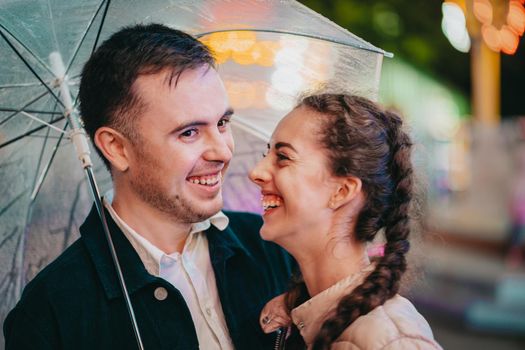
pixel 295 180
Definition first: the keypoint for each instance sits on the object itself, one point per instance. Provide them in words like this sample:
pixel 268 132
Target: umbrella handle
pixel 101 213
pixel 77 134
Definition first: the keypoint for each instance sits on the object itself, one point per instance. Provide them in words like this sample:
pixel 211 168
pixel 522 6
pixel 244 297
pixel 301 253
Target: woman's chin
pixel 268 234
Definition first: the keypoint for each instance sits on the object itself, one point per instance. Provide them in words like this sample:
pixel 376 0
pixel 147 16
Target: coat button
pixel 160 293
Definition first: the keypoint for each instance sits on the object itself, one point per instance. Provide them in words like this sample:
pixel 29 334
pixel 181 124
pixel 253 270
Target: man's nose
pixel 260 174
pixel 221 148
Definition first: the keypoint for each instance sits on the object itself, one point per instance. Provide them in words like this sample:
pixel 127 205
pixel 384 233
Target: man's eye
pixel 189 133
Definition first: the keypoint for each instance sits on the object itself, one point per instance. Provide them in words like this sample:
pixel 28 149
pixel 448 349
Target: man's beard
pixel 148 186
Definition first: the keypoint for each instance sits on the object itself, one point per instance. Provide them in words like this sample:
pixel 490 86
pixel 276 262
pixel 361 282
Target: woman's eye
pixel 281 156
pixel 223 122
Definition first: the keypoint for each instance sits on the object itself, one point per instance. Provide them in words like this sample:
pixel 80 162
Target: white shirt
pixel 191 273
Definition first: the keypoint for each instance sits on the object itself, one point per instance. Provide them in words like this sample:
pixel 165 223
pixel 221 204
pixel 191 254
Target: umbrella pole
pixel 79 139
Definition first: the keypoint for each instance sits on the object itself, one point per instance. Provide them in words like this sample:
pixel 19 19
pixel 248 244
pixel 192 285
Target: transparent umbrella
pixel 268 53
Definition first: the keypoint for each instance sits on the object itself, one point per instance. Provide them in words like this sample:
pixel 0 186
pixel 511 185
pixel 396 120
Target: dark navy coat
pixel 76 302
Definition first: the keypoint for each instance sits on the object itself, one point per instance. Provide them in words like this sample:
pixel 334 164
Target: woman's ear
pixel 347 189
pixel 113 146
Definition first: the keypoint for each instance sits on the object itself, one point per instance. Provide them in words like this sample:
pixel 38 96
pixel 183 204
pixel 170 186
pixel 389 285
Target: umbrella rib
pixel 53 31
pixel 13 86
pixel 21 109
pixel 30 68
pixel 251 129
pixel 77 49
pixel 312 36
pixel 42 122
pixel 7 143
pixel 39 180
pixel 38 59
pixel 45 170
pixel 98 36
pixel 101 25
pixel 44 136
pixel 5 109
pixel 42 151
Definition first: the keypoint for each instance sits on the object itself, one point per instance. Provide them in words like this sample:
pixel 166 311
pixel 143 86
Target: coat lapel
pixel 133 269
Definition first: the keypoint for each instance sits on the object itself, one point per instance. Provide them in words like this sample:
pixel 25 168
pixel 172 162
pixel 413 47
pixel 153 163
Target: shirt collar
pixel 309 316
pixel 149 253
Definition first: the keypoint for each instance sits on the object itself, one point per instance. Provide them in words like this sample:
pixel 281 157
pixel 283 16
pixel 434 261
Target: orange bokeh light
pixel 220 56
pixel 241 40
pixel 516 17
pixel 492 37
pixel 242 47
pixel 241 93
pixel 265 52
pixel 483 11
pixel 259 102
pixel 509 40
pixel 245 57
pixel 219 42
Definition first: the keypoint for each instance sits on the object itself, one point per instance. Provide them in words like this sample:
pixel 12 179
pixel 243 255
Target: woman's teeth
pixel 205 180
pixel 269 202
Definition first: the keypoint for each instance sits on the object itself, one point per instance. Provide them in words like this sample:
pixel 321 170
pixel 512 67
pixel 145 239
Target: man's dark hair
pixel 106 94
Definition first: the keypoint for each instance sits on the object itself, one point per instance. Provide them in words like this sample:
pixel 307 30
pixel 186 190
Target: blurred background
pixel 458 77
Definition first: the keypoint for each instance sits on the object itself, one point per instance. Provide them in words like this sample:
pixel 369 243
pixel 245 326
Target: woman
pixel 337 171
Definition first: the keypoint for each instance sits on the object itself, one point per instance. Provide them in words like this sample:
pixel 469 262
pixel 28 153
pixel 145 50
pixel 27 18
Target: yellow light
pixel 261 88
pixel 242 94
pixel 243 57
pixel 241 41
pixel 221 57
pixel 265 51
pixel 219 42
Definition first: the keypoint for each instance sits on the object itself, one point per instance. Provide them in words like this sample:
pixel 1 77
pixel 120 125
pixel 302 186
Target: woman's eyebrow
pixel 284 144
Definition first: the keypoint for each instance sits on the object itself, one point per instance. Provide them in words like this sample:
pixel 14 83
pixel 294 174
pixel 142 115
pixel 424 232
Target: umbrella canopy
pixel 268 53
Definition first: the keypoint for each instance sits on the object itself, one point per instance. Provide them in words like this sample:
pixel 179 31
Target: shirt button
pixel 208 311
pixel 300 325
pixel 160 293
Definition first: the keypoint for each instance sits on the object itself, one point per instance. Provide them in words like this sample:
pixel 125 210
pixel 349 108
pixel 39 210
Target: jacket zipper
pixel 281 338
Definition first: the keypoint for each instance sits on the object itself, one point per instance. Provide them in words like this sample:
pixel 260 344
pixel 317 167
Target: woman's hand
pixel 274 315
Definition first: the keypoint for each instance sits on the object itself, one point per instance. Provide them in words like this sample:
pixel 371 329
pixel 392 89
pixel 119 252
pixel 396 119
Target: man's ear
pixel 114 146
pixel 347 189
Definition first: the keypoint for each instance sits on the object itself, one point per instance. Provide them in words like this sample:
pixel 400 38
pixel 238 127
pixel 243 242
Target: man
pixel 157 111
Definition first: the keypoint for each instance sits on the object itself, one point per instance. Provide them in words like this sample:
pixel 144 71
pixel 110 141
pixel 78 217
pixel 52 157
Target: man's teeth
pixel 206 180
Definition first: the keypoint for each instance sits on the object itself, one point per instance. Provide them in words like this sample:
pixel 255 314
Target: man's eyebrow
pixel 284 144
pixel 189 124
pixel 229 112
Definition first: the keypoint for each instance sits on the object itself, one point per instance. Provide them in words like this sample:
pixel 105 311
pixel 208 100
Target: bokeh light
pixel 454 26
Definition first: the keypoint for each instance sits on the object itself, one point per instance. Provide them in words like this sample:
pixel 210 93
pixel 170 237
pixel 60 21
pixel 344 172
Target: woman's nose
pixel 260 174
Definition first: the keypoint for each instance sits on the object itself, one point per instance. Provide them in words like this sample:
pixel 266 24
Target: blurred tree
pixel 411 30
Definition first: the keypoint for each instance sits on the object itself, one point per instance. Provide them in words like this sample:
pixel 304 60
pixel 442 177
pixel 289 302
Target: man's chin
pixel 206 209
